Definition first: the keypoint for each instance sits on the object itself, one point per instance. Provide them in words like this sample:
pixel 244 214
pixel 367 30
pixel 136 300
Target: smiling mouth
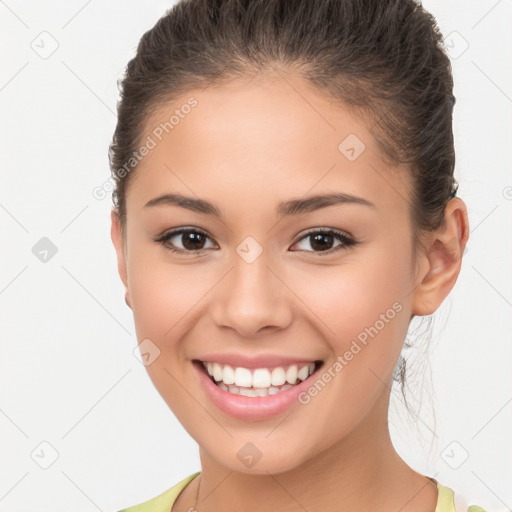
pixel 258 382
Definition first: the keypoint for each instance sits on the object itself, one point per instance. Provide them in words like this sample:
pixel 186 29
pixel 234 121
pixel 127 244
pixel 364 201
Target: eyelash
pixel 338 235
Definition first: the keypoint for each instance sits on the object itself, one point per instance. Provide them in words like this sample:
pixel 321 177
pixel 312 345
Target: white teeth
pixel 261 378
pixel 243 377
pixel 278 376
pixel 291 374
pixel 228 376
pixel 260 381
pixel 217 372
pixel 303 373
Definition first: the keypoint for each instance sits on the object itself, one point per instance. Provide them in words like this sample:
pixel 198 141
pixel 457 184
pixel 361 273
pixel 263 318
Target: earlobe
pixel 444 260
pixel 117 240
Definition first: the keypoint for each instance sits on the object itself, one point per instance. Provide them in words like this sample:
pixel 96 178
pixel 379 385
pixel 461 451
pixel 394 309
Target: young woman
pixel 284 206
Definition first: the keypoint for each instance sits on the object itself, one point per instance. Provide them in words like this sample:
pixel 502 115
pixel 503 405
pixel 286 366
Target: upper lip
pixel 255 361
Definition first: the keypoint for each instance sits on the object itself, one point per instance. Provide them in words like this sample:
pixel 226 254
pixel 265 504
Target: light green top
pixel 164 502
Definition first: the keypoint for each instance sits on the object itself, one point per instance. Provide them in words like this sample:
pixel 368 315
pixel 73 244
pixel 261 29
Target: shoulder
pixel 163 502
pixel 448 502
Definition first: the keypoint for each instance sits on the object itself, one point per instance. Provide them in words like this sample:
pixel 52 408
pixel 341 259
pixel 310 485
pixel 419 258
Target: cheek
pixel 361 313
pixel 161 293
pixel 163 297
pixel 361 310
pixel 351 296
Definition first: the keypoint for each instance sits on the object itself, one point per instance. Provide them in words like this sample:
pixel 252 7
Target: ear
pixel 441 259
pixel 117 240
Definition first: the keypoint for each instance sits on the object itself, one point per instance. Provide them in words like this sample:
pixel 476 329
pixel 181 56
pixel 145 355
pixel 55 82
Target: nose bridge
pixel 251 297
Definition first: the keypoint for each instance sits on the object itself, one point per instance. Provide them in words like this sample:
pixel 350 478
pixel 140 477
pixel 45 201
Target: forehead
pixel 273 136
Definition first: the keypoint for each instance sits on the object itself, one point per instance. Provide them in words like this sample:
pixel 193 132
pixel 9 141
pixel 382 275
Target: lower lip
pixel 248 407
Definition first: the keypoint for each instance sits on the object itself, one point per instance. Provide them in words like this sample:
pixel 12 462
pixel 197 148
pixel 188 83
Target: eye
pixel 323 240
pixel 191 239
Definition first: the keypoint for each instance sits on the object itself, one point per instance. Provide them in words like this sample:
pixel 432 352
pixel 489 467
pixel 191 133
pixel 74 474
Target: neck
pixel 360 472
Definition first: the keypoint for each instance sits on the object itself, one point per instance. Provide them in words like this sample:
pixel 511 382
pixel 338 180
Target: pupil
pixel 317 240
pixel 195 239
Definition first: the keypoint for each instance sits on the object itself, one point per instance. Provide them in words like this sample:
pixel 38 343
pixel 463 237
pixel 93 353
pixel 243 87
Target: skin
pixel 247 146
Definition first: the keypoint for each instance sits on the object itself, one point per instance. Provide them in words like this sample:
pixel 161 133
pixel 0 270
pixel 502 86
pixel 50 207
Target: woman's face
pixel 250 286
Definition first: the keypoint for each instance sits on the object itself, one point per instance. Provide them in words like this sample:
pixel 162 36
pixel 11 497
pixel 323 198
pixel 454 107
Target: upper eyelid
pixel 179 231
pixel 326 230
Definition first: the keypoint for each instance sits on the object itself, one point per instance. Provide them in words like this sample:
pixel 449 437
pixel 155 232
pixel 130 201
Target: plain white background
pixel 74 397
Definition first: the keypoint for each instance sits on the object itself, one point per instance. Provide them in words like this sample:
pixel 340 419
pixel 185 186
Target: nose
pixel 252 299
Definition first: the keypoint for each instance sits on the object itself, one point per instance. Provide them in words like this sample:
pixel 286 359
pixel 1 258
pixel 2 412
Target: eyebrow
pixel 284 209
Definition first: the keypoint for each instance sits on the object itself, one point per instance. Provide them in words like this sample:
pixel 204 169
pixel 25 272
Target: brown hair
pixel 383 57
